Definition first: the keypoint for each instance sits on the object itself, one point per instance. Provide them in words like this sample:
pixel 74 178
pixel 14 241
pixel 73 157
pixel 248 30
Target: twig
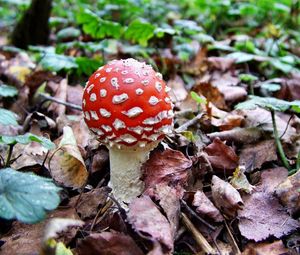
pixel 58 101
pixel 199 238
pixel 189 123
pixel 197 216
pixel 278 142
pixel 236 247
pixel 101 211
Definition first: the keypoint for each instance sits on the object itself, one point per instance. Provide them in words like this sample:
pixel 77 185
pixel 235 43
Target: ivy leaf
pixel 27 138
pixel 55 62
pixel 8 117
pixel 97 27
pixel 269 103
pixel 197 98
pixel 8 91
pixel 26 196
pixel 140 31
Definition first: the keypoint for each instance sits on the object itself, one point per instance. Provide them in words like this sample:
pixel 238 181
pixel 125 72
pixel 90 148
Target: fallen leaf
pixel 205 207
pixel 169 200
pixel 253 156
pixel 100 160
pixel 90 202
pixel 27 239
pixel 66 164
pixel 221 63
pixel 221 156
pixel 226 197
pixel 290 88
pixel 108 243
pixel 74 96
pixel 178 92
pixel 240 181
pixel 274 248
pixel 150 223
pixel 263 216
pixel 171 167
pixel 289 195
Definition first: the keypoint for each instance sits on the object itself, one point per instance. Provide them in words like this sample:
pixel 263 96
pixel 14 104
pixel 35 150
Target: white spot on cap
pixel 142 144
pixel 97 131
pixel 106 128
pixel 103 79
pixel 114 82
pixel 94 115
pixel 118 99
pixel 105 113
pixel 162 115
pixel 103 92
pixel 100 68
pixel 166 129
pixel 153 100
pixel 108 70
pixel 153 137
pixel 145 82
pixel 138 73
pixel 138 129
pixel 150 121
pixel 145 73
pixel 124 72
pixel 90 88
pixel 97 75
pixel 83 102
pixel 129 80
pixel 154 120
pixel 93 97
pixel 133 112
pixel 148 129
pixel 170 114
pixel 158 86
pixel 167 89
pixel 139 91
pixel 87 115
pixel 159 75
pixel 117 69
pixel 128 138
pixel 167 100
pixel 119 124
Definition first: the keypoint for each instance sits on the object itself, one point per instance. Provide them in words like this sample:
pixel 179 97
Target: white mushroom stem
pixel 125 172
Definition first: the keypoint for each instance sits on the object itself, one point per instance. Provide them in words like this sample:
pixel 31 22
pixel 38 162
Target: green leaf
pixel 8 91
pixel 247 77
pixel 197 98
pixel 97 27
pixel 87 65
pixel 8 117
pixel 269 103
pixel 61 249
pixel 55 62
pixel 69 32
pixel 139 31
pixel 27 138
pixel 26 196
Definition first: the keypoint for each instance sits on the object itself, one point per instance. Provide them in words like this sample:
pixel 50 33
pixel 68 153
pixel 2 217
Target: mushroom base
pixel 125 173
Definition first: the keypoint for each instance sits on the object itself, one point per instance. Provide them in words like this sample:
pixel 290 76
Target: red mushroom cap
pixel 125 103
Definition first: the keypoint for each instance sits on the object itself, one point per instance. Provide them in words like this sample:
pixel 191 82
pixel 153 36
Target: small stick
pixel 236 247
pixel 58 101
pixel 199 238
pixel 191 122
pixel 101 211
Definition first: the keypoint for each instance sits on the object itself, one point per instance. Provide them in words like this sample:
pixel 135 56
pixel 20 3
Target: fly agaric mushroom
pixel 126 104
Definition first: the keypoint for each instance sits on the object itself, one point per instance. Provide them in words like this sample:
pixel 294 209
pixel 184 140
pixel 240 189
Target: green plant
pixel 272 104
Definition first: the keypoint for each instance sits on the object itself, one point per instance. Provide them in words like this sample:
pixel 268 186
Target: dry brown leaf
pixel 74 96
pixel 205 207
pixel 226 197
pixel 100 160
pixel 263 216
pixel 169 200
pixel 66 163
pixel 290 89
pixel 255 155
pixel 90 202
pixel 150 223
pixel 289 195
pixel 274 248
pixel 169 166
pixel 221 63
pixel 107 243
pixel 60 94
pixel 222 157
pixel 26 239
pixel 178 92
